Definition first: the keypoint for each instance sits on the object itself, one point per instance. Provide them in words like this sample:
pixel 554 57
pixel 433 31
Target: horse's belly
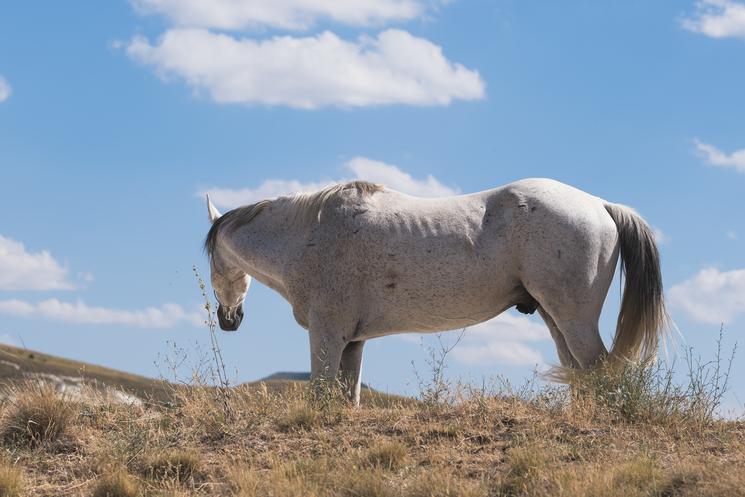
pixel 424 324
pixel 436 306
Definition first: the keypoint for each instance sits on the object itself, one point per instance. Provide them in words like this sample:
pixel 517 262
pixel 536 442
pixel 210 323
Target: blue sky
pixel 116 116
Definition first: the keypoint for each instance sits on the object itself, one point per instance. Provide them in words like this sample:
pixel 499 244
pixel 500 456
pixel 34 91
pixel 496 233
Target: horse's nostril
pixel 228 323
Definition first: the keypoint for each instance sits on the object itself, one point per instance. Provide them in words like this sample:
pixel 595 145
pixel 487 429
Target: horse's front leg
pixel 326 347
pixel 351 370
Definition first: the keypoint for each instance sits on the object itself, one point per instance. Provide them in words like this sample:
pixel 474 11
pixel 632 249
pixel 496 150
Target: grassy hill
pixel 631 435
pixel 18 364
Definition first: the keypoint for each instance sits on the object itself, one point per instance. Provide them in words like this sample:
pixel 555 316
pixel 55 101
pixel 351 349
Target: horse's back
pixel 514 224
pixel 427 264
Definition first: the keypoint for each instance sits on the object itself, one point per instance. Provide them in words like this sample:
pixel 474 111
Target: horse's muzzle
pixel 230 322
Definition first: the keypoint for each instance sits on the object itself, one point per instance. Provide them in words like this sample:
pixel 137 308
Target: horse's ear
pixel 212 210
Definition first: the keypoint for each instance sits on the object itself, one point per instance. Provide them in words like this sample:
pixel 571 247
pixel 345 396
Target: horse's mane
pixel 230 221
pixel 307 209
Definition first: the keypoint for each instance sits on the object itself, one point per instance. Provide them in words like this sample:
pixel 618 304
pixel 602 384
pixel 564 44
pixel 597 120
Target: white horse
pixel 358 261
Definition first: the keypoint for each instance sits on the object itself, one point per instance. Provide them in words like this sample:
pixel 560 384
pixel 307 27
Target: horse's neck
pixel 262 246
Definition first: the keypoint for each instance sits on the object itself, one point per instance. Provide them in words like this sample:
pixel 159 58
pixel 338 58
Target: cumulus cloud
pixel 230 198
pixel 711 296
pixel 282 14
pixel 501 340
pixel 311 72
pixel 715 157
pixel 166 316
pixel 393 177
pixel 5 89
pixel 717 19
pixel 23 270
pixel 16 307
pixel 361 169
pixel 660 236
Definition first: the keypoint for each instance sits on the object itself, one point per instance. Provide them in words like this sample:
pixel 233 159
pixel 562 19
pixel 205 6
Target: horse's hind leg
pixel 581 334
pixel 571 288
pixel 565 355
pixel 574 308
pixel 350 370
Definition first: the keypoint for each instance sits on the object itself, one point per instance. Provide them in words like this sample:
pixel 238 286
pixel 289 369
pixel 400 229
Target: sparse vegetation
pixel 434 389
pixel 637 434
pixel 36 415
pixel 524 466
pixel 177 465
pixel 388 455
pixel 649 393
pixel 11 480
pixel 299 416
pixel 118 484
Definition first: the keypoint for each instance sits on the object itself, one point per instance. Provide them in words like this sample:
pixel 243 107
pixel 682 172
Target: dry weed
pixel 118 484
pixel 37 414
pixel 11 481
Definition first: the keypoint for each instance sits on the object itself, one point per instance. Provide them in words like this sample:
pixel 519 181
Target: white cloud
pixel 16 307
pixel 716 157
pixel 360 167
pixel 166 316
pixel 660 237
pixel 393 177
pixel 283 14
pixel 317 71
pixel 22 270
pixel 501 341
pixel 712 296
pixel 5 89
pixel 731 235
pixel 718 19
pixel 272 188
pixel 496 352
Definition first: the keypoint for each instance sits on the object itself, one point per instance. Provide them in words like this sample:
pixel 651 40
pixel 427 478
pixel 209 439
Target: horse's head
pixel 230 291
pixel 228 281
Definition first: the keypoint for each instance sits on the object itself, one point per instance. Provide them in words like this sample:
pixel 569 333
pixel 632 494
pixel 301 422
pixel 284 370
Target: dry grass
pixel 388 455
pixel 11 481
pixel 118 484
pixel 298 416
pixel 37 415
pixel 177 465
pixel 637 438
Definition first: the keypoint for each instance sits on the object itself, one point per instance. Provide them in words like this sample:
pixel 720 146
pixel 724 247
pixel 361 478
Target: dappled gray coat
pixel 358 261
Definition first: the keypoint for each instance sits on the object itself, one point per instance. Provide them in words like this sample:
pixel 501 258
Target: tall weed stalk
pixel 219 372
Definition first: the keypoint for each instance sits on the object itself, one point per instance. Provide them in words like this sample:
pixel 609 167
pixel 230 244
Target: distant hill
pixel 18 364
pixel 296 376
pixel 287 375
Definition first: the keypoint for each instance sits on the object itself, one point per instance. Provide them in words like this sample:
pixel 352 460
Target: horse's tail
pixel 642 320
